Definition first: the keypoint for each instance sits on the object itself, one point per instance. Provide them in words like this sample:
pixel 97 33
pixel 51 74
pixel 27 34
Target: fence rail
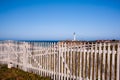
pixel 64 60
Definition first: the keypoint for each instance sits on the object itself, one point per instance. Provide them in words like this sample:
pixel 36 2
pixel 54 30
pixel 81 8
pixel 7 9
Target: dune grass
pixel 16 74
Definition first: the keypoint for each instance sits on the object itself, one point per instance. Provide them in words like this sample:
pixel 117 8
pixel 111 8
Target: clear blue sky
pixel 58 19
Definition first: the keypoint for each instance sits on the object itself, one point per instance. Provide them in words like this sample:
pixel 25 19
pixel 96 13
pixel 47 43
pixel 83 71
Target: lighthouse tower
pixel 74 37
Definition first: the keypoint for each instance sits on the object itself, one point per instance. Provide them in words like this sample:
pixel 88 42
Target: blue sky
pixel 58 19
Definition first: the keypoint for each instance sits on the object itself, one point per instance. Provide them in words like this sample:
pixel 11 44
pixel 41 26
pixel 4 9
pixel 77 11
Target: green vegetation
pixel 16 74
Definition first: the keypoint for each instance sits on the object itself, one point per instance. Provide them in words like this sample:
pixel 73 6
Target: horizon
pixel 58 40
pixel 58 20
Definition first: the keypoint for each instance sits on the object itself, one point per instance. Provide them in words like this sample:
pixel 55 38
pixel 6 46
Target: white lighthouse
pixel 74 37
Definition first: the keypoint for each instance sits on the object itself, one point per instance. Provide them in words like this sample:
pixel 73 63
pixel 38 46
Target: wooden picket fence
pixel 72 60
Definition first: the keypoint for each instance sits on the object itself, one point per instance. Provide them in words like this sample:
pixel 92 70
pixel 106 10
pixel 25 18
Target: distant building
pixel 74 37
pixel 107 40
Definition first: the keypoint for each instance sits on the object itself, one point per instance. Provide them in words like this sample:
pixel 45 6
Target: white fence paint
pixel 64 60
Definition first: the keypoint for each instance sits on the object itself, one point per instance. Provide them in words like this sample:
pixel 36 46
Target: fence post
pixel 71 45
pixel 118 62
pixel 59 60
pixel 25 56
pixel 91 61
pixel 8 54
